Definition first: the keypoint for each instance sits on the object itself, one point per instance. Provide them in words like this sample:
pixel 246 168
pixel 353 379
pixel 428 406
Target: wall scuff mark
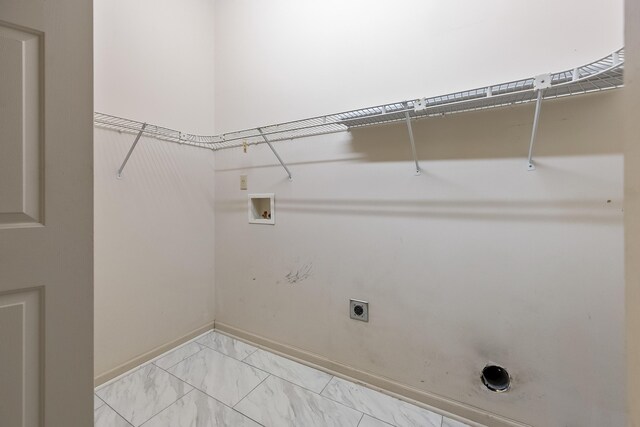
pixel 299 275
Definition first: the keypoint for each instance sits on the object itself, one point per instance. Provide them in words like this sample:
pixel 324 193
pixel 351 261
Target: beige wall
pixel 154 61
pixel 154 232
pixel 279 60
pixel 154 228
pixel 475 261
pixel 632 204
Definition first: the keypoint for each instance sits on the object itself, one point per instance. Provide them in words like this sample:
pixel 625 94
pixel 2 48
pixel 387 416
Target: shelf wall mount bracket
pixel 133 146
pixel 540 83
pixel 275 153
pixel 413 142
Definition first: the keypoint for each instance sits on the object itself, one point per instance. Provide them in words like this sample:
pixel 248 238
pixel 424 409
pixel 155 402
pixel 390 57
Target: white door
pixel 46 213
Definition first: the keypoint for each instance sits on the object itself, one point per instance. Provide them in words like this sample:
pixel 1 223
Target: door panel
pixel 46 213
pixel 20 130
pixel 20 336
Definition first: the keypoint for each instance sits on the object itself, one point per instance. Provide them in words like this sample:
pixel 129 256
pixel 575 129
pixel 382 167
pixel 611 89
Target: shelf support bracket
pixel 275 153
pixel 540 83
pixel 133 146
pixel 413 143
pixel 536 119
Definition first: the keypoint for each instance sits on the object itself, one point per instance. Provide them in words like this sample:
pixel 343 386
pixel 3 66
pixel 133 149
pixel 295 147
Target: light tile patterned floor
pixel 217 381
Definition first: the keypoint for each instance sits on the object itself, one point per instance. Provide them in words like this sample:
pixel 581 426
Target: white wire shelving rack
pixel 603 74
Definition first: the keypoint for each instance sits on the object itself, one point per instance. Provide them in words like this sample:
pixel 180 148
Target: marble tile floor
pixel 218 381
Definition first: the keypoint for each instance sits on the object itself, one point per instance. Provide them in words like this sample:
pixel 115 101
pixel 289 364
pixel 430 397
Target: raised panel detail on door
pixel 20 128
pixel 20 365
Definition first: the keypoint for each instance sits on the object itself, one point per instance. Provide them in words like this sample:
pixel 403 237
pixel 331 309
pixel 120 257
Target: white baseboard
pixel 150 356
pixel 448 407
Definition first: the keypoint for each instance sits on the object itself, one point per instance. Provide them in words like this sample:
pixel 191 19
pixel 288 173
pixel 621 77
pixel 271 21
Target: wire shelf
pixel 603 74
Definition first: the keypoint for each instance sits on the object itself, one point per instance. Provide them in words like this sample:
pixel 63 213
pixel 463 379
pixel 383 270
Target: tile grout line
pixel 113 409
pixel 208 395
pixel 317 394
pixel 295 385
pixel 218 351
pixel 303 388
pixel 117 413
pixel 326 385
pixel 372 416
pixel 172 403
pixel 180 361
pixel 366 413
pixel 202 391
pixel 235 338
pixel 95 396
pixel 193 387
pixel 384 422
pixel 249 355
pixel 232 358
pixel 347 406
pixel 246 416
pixel 206 347
pixel 243 360
pixel 182 381
pixel 252 390
pixel 284 379
pixel 361 418
pixel 277 353
pixel 232 339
